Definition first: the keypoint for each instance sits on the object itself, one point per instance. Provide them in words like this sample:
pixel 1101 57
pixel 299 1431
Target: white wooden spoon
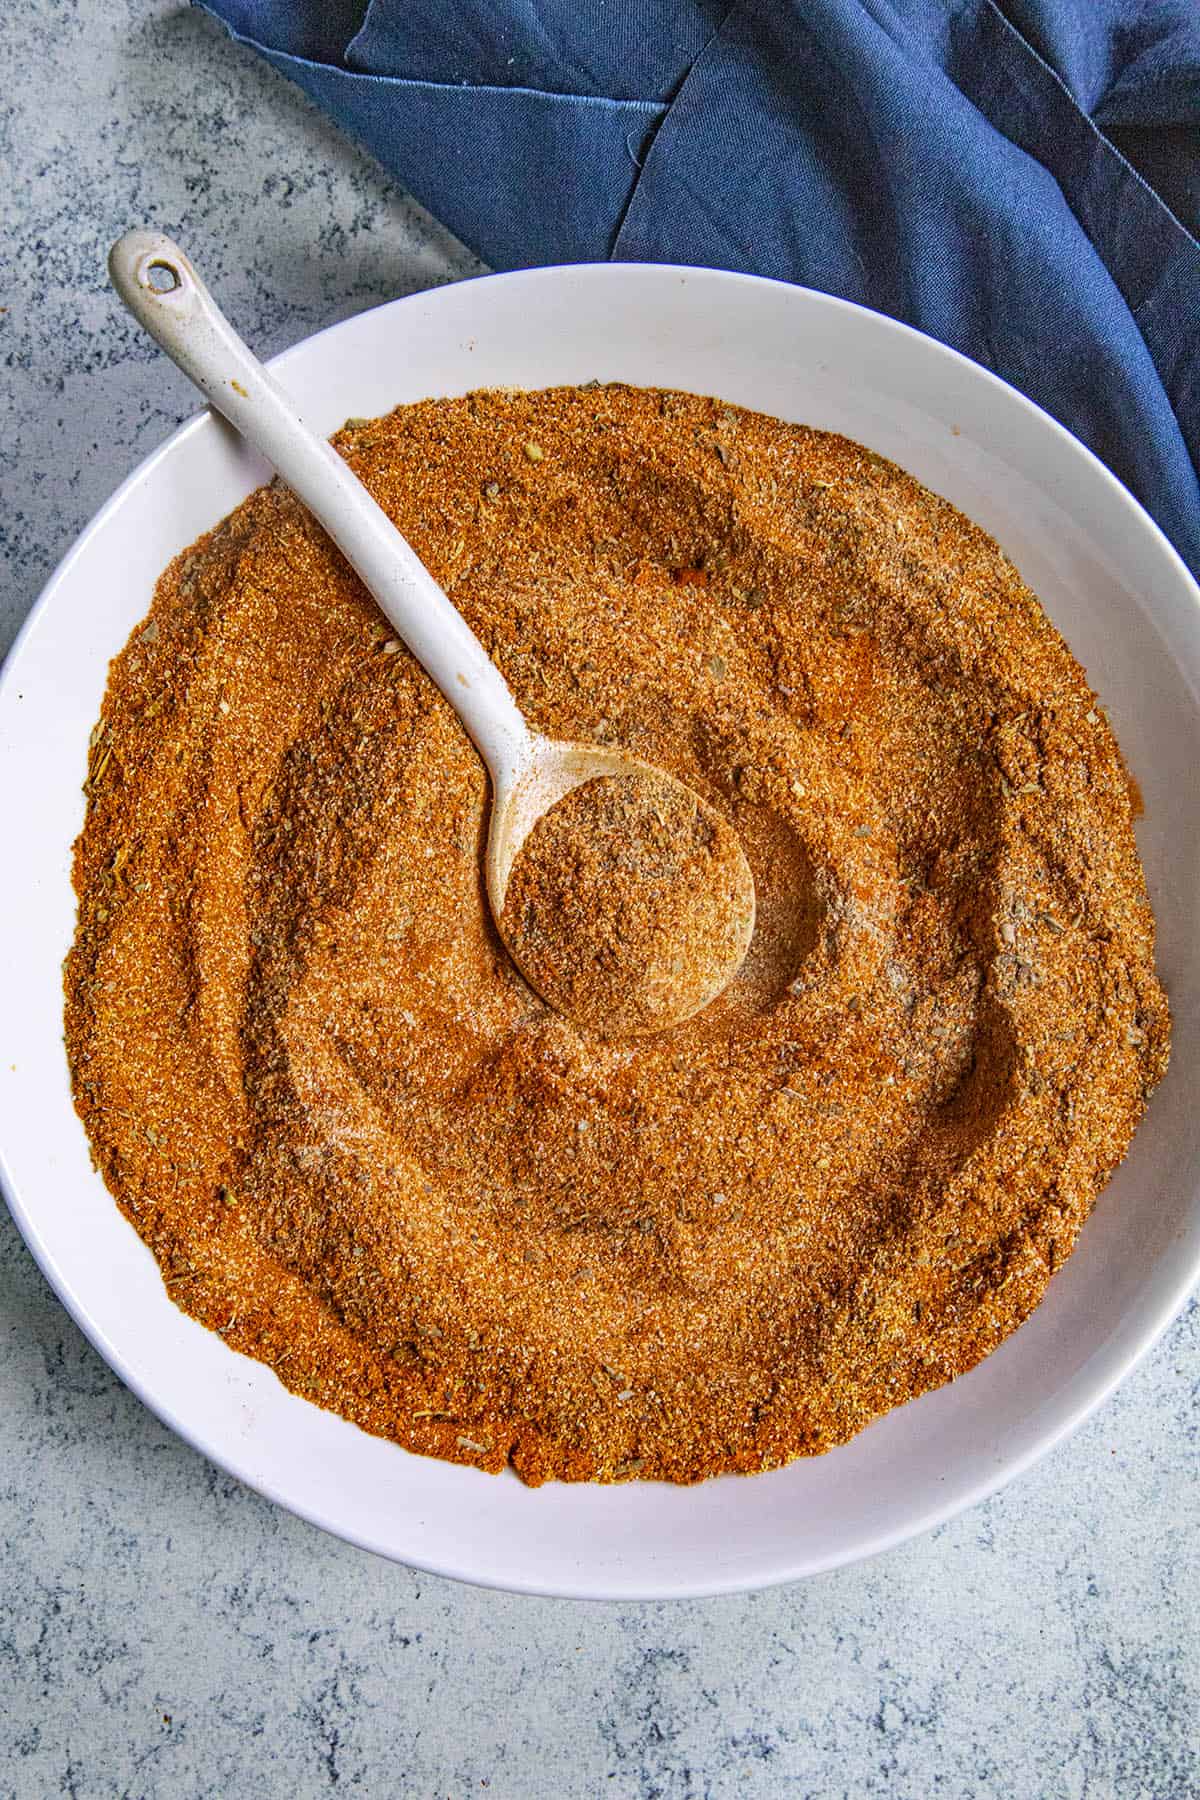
pixel 529 773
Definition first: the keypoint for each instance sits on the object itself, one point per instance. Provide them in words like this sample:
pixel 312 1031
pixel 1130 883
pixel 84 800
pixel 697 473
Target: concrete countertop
pixel 164 1631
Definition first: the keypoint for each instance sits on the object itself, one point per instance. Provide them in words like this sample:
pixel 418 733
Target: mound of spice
pixel 367 1154
pixel 626 904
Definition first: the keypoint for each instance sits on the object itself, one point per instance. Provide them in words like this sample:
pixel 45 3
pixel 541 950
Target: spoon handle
pixel 165 295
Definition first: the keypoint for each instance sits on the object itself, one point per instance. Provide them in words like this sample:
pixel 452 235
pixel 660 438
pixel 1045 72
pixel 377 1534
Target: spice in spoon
pixel 627 904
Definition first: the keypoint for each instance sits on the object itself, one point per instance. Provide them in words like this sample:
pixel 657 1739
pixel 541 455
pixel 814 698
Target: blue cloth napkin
pixel 1021 181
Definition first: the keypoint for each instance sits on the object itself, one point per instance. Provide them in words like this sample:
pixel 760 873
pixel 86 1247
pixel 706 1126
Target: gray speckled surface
pixel 163 1631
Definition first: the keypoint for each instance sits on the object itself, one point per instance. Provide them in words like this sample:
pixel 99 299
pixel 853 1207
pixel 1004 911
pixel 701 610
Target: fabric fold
pixel 521 176
pixel 943 161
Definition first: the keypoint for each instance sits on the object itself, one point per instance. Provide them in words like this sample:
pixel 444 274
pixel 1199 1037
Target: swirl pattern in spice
pixel 366 1153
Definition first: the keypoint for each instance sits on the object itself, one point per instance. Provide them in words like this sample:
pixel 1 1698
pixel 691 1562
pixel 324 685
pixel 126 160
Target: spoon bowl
pixel 554 769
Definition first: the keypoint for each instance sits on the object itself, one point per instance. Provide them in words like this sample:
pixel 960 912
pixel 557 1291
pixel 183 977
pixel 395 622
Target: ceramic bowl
pixel 1129 611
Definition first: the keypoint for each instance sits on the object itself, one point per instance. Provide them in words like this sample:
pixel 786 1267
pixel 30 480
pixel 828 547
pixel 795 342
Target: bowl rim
pixel 1114 1367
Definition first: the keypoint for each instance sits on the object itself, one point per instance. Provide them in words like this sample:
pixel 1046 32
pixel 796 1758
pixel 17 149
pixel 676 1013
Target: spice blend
pixel 366 1153
pixel 628 904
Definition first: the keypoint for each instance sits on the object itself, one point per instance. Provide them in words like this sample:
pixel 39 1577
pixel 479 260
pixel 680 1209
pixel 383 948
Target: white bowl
pixel 1128 609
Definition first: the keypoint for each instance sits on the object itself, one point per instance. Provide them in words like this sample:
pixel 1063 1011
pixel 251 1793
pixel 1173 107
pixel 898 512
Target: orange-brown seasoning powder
pixel 366 1153
pixel 628 904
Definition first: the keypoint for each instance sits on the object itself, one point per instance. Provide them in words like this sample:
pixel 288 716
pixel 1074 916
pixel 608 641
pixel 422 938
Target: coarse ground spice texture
pixel 629 904
pixel 366 1153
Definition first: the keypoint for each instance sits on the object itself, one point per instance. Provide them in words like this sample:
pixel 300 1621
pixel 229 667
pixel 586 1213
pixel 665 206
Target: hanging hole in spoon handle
pixel 159 285
pixel 163 291
pixel 161 278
